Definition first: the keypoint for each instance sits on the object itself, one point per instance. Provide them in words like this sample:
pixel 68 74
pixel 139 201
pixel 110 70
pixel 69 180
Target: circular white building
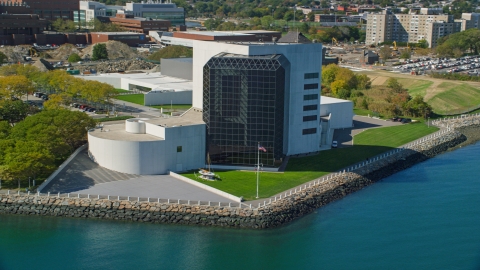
pixel 151 146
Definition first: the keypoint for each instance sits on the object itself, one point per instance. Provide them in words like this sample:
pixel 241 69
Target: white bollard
pixel 128 198
pixel 148 199
pixel 118 198
pixel 68 195
pixel 88 196
pixel 158 200
pixel 108 197
pixel 208 203
pixel 230 205
pixel 168 201
pixel 138 199
pixel 78 195
pixel 188 202
pixel 219 204
pixel 48 195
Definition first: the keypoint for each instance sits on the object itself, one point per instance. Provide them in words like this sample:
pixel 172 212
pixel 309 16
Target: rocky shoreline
pixel 456 133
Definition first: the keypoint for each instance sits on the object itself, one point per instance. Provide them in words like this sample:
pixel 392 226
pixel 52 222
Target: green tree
pixel 74 57
pixel 99 52
pixel 26 159
pixel 337 85
pixel 13 111
pixel 423 44
pixel 328 74
pixel 363 81
pixel 61 25
pixel 393 84
pixel 385 53
pixel 406 54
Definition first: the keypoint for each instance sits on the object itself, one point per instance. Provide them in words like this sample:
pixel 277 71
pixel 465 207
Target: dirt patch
pixel 378 80
pixel 115 49
pixel 16 54
pixel 64 51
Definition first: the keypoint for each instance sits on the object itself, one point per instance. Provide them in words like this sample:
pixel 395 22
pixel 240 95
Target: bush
pixel 99 52
pixel 74 58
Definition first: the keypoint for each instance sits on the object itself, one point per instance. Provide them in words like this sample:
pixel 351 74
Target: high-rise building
pixel 411 28
pixel 469 20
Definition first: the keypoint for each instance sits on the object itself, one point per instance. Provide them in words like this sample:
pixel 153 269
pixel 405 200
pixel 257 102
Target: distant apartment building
pixel 428 25
pixel 469 20
pixel 90 10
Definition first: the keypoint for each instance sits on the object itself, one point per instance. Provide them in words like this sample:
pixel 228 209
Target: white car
pixel 334 144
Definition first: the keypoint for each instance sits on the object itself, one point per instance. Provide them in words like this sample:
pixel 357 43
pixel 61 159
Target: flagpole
pixel 258 165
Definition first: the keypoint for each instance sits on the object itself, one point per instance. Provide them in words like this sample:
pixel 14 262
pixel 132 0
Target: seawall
pixel 276 213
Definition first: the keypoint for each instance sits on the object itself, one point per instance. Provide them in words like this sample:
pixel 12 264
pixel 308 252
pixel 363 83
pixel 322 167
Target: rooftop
pixel 154 80
pixel 118 33
pixel 330 100
pixel 117 131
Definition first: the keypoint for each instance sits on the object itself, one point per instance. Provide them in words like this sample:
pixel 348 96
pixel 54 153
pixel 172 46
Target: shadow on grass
pixel 335 159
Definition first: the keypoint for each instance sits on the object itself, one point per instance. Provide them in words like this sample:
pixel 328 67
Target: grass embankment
pixel 139 99
pixel 300 170
pixel 455 97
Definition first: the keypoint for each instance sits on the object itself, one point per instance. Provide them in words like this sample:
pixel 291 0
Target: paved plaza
pixel 83 176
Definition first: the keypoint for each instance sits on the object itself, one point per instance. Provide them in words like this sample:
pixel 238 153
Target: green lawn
pixel 134 98
pixel 416 87
pixel 118 90
pixel 300 170
pixel 455 98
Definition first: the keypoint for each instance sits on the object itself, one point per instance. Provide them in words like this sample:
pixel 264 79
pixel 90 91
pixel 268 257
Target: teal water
pixel 427 217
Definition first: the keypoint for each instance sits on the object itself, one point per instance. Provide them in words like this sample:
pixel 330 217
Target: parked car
pixel 406 120
pixel 45 97
pixel 334 144
pixel 91 110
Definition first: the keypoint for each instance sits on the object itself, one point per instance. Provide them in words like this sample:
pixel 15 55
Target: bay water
pixel 426 217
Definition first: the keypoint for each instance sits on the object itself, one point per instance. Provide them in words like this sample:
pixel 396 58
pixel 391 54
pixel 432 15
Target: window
pixel 310 97
pixel 179 149
pixel 309 118
pixel 311 75
pixel 309 131
pixel 309 107
pixel 310 86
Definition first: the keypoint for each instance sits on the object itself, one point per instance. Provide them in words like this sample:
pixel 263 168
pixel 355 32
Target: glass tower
pixel 243 105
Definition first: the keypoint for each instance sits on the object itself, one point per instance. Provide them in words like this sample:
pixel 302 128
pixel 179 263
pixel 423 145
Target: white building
pixel 273 95
pixel 151 146
pixel 89 10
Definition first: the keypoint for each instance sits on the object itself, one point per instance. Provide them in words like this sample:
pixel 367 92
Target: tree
pixel 328 74
pixel 267 21
pixel 99 52
pixel 61 25
pixel 3 57
pixel 363 81
pixel 393 84
pixel 337 85
pixel 406 54
pixel 385 53
pixel 74 57
pixel 346 75
pixel 15 86
pixel 13 111
pixel 423 44
pixel 26 159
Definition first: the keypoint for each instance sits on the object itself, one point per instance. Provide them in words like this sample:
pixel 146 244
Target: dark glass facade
pixel 243 105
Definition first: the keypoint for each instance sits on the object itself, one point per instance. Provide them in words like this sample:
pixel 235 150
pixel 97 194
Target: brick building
pixel 131 39
pixel 139 25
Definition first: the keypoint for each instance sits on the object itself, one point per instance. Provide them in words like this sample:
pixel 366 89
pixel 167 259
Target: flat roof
pixel 216 33
pixel 118 33
pixel 117 131
pixel 331 100
pixel 193 116
pixel 154 80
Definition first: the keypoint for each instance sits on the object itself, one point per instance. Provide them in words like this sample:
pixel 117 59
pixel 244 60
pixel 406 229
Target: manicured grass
pixel 300 170
pixel 134 98
pixel 173 107
pixel 416 87
pixel 118 90
pixel 455 98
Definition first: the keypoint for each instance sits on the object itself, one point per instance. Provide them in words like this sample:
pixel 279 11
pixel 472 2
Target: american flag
pixel 261 148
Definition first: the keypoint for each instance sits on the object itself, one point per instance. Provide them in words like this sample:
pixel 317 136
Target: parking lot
pixel 468 65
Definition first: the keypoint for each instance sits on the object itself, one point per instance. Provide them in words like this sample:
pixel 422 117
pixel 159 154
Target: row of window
pixel 310 107
pixel 310 97
pixel 313 75
pixel 309 131
pixel 310 86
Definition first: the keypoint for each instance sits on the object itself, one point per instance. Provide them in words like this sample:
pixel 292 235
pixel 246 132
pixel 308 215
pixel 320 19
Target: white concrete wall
pixel 152 157
pixel 163 98
pixel 341 114
pixel 113 81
